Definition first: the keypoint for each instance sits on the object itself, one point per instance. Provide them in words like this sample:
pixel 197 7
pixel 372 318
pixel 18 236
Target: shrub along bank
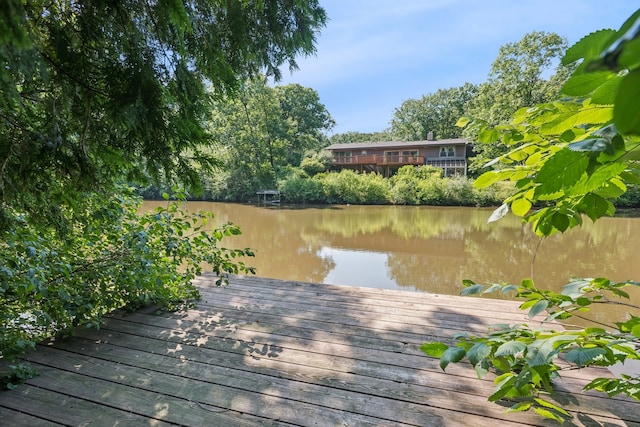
pixel 422 185
pixel 410 186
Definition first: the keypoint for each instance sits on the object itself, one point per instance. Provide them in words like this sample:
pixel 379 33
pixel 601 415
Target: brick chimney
pixel 430 136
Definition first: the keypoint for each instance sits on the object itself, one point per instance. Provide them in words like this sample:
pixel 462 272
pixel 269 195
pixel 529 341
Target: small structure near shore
pixel 269 197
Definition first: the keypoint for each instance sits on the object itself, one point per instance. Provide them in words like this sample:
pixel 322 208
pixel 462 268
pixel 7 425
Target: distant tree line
pixel 269 136
pixel 272 137
pixel 524 73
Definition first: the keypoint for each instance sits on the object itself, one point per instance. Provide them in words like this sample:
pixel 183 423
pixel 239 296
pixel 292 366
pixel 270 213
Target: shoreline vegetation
pixel 422 185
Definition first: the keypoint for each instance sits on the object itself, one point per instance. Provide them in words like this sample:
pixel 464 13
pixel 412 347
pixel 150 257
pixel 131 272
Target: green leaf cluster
pixel 96 94
pixel 521 358
pixel 518 79
pixel 112 257
pixel 436 113
pixel 567 159
pixel 263 131
pixel 349 137
pixel 574 156
pixel 527 360
pixel 16 375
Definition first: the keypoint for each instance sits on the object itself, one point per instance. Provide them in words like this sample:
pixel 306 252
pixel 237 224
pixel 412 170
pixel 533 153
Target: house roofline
pixel 397 144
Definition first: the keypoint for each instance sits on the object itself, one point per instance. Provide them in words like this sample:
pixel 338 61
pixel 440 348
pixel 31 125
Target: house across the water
pixel 386 158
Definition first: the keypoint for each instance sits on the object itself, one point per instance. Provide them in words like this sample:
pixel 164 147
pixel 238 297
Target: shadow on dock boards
pixel 270 352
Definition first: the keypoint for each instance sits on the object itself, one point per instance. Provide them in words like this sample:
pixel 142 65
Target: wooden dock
pixel 269 197
pixel 268 352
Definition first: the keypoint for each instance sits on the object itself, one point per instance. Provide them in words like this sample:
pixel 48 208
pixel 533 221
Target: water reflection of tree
pixel 402 221
pixel 433 249
pixel 280 239
pixel 430 249
pixel 507 253
pixel 284 250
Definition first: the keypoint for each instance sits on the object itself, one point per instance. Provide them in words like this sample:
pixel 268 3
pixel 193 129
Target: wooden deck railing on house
pixel 378 160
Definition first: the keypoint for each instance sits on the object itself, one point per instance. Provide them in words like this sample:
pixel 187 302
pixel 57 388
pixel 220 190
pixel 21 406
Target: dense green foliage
pixel 576 155
pixel 98 93
pixel 410 186
pixel 315 163
pixel 518 78
pixel 347 137
pixel 568 159
pixel 97 90
pixel 523 74
pixel 263 131
pixel 526 358
pixel 111 257
pixel 259 135
pixel 437 113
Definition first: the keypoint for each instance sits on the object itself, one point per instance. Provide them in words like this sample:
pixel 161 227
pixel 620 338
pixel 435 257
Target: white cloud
pixel 374 54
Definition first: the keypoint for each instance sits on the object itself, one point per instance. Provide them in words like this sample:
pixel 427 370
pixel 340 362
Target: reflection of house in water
pixel 450 155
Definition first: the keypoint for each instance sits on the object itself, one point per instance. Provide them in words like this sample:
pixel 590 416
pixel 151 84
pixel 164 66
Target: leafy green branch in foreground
pixel 110 257
pixel 528 359
pixel 569 159
pixel 577 154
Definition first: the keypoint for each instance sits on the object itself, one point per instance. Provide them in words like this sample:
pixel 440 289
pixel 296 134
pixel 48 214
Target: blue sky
pixel 374 54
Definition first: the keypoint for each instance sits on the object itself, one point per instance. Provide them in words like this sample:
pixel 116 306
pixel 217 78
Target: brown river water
pixel 423 249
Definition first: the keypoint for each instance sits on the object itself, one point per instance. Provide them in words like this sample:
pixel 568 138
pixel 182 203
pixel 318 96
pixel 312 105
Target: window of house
pixel 447 152
pixel 409 156
pixel 342 156
pixel 391 153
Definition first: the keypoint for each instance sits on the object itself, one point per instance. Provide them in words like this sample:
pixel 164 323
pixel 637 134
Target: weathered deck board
pixel 267 352
pixel 55 406
pixel 14 418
